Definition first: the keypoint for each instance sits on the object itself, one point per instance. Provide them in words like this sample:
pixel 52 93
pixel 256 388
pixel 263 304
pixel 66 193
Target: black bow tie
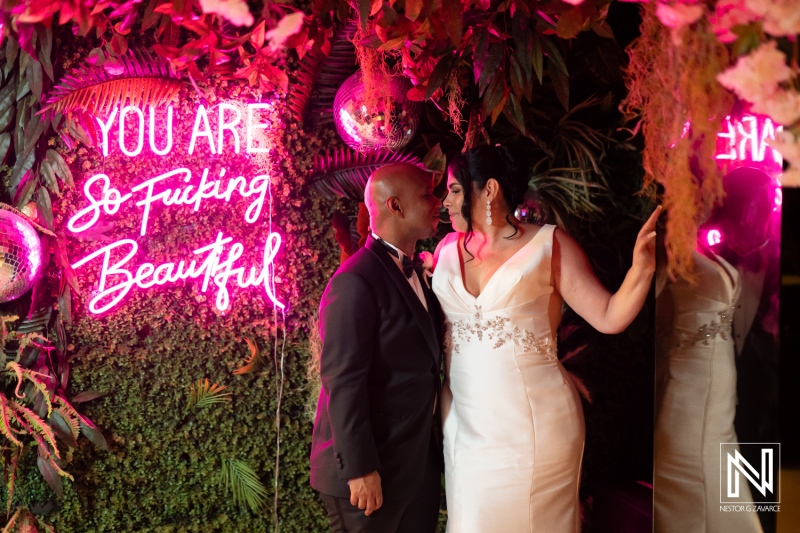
pixel 410 265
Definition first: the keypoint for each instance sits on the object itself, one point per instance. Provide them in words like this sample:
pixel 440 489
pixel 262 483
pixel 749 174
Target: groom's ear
pixel 393 206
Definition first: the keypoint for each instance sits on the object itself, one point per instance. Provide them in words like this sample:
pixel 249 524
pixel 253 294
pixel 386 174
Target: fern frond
pixel 4 333
pixel 204 394
pixel 5 423
pixel 145 80
pixel 35 378
pixel 12 477
pixel 319 78
pixel 35 425
pixel 345 172
pixel 254 362
pixel 243 484
pixel 12 522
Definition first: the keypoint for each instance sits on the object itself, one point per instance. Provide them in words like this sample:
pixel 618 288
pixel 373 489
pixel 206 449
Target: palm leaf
pixel 319 76
pixel 145 80
pixel 345 172
pixel 254 362
pixel 204 394
pixel 243 484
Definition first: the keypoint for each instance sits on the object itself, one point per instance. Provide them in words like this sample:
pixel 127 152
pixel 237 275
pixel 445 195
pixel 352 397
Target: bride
pixel 513 422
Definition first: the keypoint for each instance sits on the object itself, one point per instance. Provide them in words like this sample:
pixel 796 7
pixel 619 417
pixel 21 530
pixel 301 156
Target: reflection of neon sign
pixel 173 188
pixel 714 237
pixel 746 140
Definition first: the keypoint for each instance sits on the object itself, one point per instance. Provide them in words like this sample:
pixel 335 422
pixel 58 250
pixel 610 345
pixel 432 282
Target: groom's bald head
pixel 394 196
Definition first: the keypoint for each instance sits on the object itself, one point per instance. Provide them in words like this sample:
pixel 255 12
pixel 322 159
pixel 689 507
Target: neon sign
pixel 745 141
pixel 121 273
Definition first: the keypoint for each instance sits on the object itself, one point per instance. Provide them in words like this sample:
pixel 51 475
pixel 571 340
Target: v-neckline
pixel 462 271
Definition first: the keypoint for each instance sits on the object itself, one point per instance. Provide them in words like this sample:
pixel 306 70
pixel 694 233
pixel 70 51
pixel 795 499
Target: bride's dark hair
pixel 475 167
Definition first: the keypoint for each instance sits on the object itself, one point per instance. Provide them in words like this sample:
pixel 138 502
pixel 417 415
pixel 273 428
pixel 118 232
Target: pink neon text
pixel 116 280
pixel 110 198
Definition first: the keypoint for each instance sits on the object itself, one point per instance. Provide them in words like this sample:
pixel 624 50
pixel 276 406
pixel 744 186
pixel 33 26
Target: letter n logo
pixel 749 473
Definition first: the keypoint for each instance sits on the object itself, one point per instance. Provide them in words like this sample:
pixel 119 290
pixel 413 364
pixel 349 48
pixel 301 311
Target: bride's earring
pixel 488 213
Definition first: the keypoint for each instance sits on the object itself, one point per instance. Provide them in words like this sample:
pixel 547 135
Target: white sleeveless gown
pixel 513 421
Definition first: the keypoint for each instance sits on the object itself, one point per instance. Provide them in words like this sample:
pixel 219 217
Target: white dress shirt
pixel 414 279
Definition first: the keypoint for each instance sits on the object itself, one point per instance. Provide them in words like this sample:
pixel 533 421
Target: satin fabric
pixel 696 402
pixel 513 421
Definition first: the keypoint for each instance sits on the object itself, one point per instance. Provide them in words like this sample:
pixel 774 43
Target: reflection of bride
pixel 696 400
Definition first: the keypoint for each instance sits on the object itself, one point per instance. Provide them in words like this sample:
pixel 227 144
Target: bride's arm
pixel 577 283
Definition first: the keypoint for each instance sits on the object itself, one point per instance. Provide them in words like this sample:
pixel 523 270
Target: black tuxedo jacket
pixel 380 377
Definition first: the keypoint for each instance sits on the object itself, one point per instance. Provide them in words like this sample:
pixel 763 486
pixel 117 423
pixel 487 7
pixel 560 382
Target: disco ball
pixel 388 123
pixel 20 256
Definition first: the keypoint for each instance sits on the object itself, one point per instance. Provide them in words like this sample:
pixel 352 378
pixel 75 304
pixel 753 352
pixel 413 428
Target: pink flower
pixel 757 75
pixel 782 106
pixel 730 13
pixel 780 17
pixel 236 11
pixel 678 15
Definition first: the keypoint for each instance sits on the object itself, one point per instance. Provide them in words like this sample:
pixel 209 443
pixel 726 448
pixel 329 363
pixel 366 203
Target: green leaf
pixel 19 170
pixel 517 79
pixel 50 475
pixel 60 167
pixel 490 67
pixel 439 74
pixel 492 96
pixel 560 84
pixel 6 116
pixel 12 50
pixel 363 12
pixel 538 57
pixel 413 8
pixel 46 36
pixel 603 29
pixel 27 191
pixel 451 13
pixel 5 144
pixel 241 481
pixel 94 435
pixel 49 176
pixel 513 111
pixel 45 208
pixel 551 50
pixel 34 76
pixel 62 428
pixel 7 96
pixel 436 162
pixel 87 396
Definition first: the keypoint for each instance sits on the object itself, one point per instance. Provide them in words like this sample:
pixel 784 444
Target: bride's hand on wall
pixel 644 251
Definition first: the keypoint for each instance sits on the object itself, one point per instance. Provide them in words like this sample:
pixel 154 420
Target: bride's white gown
pixel 513 422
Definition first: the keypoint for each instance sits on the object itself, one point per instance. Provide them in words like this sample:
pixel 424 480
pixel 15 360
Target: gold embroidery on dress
pixel 707 332
pixel 497 329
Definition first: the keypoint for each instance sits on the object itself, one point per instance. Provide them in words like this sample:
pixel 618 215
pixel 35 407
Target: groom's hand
pixel 365 492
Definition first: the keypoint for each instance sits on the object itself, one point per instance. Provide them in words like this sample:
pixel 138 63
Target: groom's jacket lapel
pixel 412 300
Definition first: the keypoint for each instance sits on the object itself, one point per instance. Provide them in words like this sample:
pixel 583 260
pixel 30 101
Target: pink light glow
pixel 714 237
pixel 214 266
pixel 201 115
pixel 256 141
pixel 152 132
pixel 250 127
pixel 230 126
pixel 746 141
pixel 140 143
pixel 111 199
pixel 778 198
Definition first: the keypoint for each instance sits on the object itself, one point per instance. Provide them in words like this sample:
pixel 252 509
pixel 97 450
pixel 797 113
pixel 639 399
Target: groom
pixel 375 452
